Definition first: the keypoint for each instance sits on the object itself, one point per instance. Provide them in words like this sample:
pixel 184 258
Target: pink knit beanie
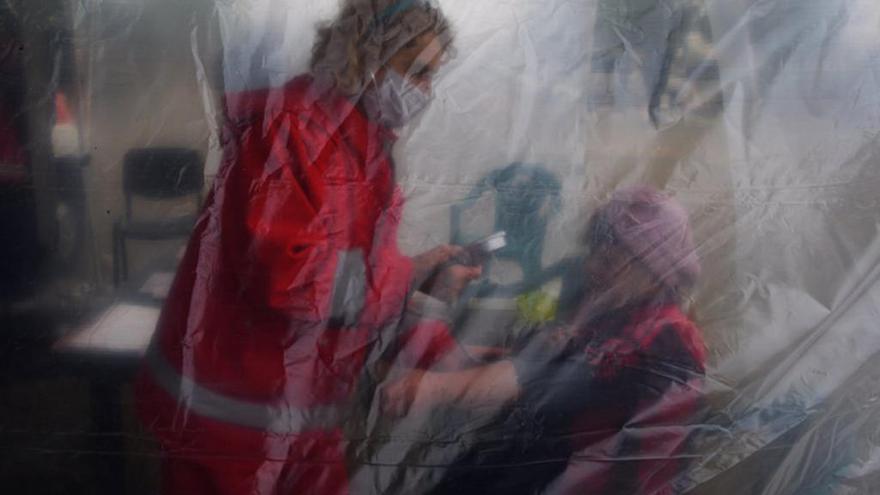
pixel 655 228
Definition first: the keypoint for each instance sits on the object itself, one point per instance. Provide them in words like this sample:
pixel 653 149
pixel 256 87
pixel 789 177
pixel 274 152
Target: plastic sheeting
pixel 759 117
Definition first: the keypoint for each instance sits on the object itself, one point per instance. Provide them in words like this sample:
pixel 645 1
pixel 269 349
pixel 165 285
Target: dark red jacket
pixel 610 412
pixel 644 399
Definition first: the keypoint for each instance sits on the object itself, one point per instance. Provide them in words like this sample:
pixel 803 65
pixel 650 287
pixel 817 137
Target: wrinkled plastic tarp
pixel 760 117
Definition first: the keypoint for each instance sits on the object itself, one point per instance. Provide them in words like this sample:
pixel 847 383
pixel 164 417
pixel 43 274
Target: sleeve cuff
pixel 531 362
pixel 424 306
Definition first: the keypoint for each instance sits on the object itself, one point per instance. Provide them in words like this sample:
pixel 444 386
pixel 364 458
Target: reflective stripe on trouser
pixel 347 303
pixel 275 418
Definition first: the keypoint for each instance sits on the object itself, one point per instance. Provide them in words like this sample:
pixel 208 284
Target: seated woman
pixel 601 405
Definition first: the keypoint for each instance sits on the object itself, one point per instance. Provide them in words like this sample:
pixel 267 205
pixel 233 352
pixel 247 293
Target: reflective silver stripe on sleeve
pixel 266 417
pixel 349 289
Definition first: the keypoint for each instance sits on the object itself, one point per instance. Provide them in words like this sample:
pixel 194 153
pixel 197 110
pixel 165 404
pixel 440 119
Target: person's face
pixel 417 62
pixel 616 278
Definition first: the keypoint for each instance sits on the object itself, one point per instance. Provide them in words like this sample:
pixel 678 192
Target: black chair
pixel 156 174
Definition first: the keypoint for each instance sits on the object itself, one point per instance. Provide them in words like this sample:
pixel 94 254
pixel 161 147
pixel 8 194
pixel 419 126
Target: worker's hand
pixel 452 280
pixel 403 394
pixel 425 264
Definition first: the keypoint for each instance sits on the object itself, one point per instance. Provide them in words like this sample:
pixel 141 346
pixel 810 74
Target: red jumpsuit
pixel 290 276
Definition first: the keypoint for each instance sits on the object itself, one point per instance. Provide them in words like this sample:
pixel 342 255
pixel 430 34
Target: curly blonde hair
pixel 366 33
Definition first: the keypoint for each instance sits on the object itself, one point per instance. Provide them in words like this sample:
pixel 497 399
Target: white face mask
pixel 395 101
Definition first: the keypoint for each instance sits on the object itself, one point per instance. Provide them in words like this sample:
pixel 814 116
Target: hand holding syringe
pixel 450 278
pixel 478 252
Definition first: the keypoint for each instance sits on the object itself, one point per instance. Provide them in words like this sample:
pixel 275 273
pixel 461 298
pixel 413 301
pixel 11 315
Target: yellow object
pixel 537 307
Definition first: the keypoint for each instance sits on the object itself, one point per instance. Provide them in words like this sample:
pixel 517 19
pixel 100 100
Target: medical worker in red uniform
pixel 292 278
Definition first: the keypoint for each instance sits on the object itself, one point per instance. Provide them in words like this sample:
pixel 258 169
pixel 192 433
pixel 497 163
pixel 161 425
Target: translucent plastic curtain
pixel 766 130
pixel 760 116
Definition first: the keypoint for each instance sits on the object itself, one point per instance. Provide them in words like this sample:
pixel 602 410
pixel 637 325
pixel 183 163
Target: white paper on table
pixel 158 285
pixel 123 327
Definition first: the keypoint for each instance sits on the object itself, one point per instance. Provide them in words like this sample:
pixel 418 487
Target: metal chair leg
pixel 116 272
pixel 120 257
pixel 123 257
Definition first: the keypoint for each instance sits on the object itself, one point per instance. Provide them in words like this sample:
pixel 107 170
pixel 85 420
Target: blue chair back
pixel 526 197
